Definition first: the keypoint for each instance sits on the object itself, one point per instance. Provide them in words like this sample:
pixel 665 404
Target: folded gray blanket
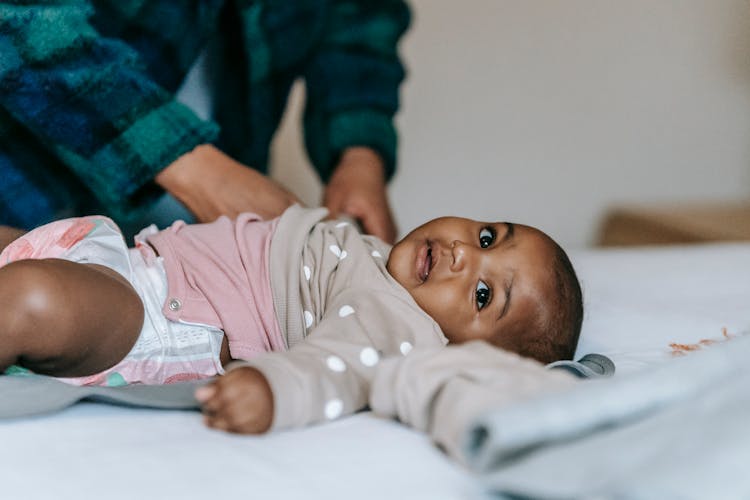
pixel 22 396
pixel 675 431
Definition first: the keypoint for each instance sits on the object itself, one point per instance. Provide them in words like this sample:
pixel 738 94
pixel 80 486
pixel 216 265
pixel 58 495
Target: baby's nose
pixel 458 252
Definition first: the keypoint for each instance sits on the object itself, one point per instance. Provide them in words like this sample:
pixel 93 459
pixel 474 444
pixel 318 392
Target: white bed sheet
pixel 637 302
pixel 99 451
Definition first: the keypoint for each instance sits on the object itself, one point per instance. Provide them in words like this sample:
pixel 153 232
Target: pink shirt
pixel 217 274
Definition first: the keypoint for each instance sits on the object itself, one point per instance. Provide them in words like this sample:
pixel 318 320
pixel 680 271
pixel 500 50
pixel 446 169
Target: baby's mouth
pixel 427 263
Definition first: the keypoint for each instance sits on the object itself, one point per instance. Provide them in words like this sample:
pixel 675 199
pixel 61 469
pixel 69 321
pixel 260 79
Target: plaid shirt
pixel 87 109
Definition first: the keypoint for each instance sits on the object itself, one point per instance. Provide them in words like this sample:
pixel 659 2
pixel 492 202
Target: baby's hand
pixel 240 401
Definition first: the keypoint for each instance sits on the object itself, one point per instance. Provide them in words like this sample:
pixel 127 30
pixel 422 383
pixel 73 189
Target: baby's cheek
pixel 444 305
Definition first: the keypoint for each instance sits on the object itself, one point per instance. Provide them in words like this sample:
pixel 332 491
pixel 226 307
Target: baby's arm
pixel 325 377
pixel 441 391
pixel 310 383
pixel 241 401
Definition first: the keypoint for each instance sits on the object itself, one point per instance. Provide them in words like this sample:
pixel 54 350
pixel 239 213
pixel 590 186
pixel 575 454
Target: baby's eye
pixel 486 237
pixel 483 294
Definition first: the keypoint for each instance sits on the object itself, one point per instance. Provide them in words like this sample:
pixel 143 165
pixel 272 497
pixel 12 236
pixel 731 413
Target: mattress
pixel 644 307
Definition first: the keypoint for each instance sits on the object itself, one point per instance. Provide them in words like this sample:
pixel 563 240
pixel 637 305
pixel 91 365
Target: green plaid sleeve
pixel 353 81
pixel 89 100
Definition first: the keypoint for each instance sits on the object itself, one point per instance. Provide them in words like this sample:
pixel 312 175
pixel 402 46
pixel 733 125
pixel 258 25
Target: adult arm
pixel 352 95
pixel 211 184
pixel 358 188
pixel 89 100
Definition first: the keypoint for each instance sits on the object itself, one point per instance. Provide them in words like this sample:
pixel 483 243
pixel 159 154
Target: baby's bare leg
pixel 66 319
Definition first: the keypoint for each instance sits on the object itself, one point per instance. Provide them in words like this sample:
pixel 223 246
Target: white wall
pixel 548 111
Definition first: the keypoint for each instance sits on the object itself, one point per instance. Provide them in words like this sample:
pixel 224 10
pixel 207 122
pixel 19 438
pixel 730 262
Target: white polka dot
pixel 405 348
pixel 375 253
pixel 336 364
pixel 307 272
pixel 308 319
pixel 345 311
pixel 342 224
pixel 334 408
pixel 369 356
pixel 341 254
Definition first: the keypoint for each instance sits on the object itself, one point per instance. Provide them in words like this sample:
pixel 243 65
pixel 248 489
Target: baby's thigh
pixel 68 319
pixel 73 310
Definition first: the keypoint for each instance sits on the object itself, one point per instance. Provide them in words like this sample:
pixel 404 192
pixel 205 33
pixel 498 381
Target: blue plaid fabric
pixel 87 109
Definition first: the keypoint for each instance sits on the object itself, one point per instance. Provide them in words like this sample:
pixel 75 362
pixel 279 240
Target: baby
pixel 310 307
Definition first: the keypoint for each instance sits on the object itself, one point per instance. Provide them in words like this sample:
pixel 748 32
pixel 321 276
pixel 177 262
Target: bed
pixel 646 309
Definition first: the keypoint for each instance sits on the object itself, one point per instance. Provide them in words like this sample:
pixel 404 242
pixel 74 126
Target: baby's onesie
pixel 341 313
pixel 217 274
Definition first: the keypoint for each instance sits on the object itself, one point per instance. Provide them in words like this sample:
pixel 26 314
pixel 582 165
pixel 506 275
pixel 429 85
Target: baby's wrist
pixel 262 393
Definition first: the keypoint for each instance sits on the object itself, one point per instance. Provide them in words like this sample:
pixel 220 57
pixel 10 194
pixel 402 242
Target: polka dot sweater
pixel 342 315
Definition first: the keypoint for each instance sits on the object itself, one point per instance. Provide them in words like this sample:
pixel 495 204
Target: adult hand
pixel 240 401
pixel 357 188
pixel 210 183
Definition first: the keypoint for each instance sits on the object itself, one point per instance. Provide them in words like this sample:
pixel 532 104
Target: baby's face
pixel 477 280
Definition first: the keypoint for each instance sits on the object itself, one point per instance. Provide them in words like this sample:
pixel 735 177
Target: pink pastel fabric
pixel 218 275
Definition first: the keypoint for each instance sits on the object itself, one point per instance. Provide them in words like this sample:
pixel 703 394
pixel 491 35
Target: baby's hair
pixel 558 330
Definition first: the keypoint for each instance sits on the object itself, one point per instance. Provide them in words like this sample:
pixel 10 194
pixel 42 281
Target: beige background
pixel 548 111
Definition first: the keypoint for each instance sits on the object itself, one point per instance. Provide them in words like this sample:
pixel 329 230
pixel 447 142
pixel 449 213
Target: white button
pixel 175 304
pixel 308 319
pixel 375 253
